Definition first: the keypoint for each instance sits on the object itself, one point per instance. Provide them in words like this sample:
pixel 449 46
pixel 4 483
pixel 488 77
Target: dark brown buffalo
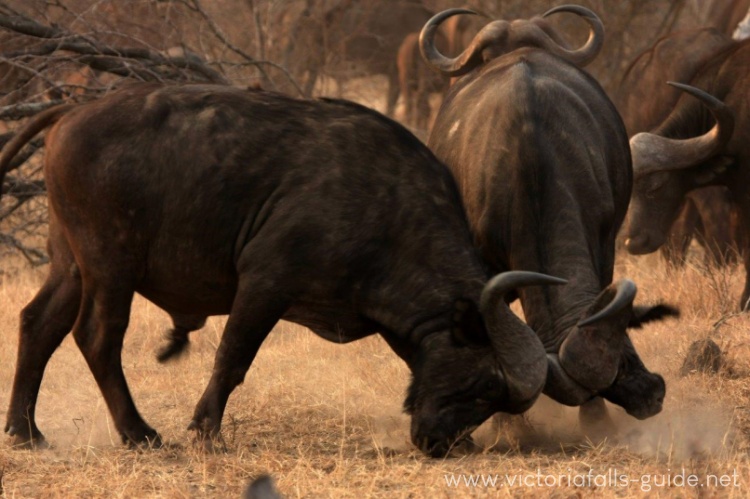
pixel 689 151
pixel 644 101
pixel 353 38
pixel 541 157
pixel 417 82
pixel 211 200
pixel 642 97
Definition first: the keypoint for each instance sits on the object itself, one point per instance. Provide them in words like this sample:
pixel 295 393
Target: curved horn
pixel 457 66
pixel 584 55
pixel 519 351
pixel 591 354
pixel 652 152
pixel 626 290
pixel 561 387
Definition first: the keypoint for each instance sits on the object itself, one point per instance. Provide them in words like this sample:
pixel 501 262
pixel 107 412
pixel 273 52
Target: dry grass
pixel 325 419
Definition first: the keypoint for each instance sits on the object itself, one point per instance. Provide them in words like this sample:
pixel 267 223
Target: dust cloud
pixel 679 433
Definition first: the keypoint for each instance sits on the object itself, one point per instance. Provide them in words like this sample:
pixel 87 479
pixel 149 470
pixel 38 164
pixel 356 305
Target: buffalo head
pixel 501 37
pixel 598 358
pixel 665 169
pixel 489 362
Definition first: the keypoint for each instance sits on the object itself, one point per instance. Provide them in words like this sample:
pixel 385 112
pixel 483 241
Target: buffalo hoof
pixel 209 444
pixel 22 440
pixel 24 443
pixel 147 440
pixel 207 440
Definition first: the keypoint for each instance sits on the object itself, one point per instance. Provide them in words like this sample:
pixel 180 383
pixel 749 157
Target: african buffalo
pixel 208 200
pixel 644 101
pixel 688 150
pixel 353 38
pixel 417 81
pixel 642 97
pixel 541 158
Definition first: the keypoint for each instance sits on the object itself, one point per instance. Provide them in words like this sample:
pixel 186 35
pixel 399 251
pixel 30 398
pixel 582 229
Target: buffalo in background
pixel 644 101
pixel 704 141
pixel 418 81
pixel 353 39
pixel 541 157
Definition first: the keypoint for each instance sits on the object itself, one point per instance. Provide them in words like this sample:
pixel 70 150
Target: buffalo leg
pixel 99 334
pixel 309 87
pixel 254 313
pixel 45 321
pixel 745 300
pixel 595 420
pixel 178 335
pixel 675 248
pixel 423 110
pixel 392 96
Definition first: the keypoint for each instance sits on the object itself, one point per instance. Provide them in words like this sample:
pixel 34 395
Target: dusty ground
pixel 325 419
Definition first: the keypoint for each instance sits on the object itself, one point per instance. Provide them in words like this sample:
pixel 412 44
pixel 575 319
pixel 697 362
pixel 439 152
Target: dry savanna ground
pixel 325 419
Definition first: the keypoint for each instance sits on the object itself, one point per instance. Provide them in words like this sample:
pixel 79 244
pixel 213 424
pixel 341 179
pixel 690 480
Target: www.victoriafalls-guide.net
pixel 612 478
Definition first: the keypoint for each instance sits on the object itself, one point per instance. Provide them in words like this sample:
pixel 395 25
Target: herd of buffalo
pixel 212 200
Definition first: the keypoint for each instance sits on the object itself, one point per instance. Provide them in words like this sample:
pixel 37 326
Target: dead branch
pixel 196 6
pixel 44 63
pixel 34 256
pixel 23 189
pixel 25 109
pixel 101 55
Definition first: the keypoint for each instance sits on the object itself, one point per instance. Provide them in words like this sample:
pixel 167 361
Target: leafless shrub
pixel 73 50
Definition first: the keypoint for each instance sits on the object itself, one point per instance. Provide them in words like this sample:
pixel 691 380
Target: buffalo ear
pixel 468 326
pixel 643 314
pixel 707 174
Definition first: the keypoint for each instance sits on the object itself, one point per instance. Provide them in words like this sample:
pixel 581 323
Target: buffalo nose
pixel 637 244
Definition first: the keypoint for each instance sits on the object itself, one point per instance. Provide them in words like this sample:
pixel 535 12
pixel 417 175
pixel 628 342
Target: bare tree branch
pixel 196 6
pixel 26 109
pixel 44 63
pixel 66 41
pixel 34 256
pixel 21 188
